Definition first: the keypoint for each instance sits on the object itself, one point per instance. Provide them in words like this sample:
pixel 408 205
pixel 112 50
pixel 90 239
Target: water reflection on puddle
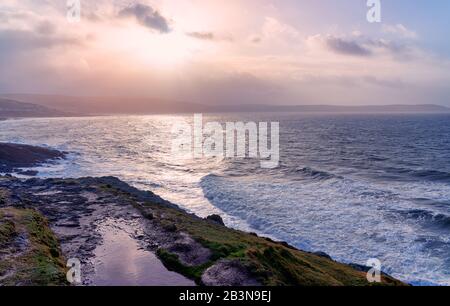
pixel 120 261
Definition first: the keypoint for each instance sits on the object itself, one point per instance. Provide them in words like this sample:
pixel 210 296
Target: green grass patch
pixel 172 262
pixel 272 263
pixel 34 260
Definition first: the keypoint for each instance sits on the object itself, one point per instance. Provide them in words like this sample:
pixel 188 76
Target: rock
pixel 216 219
pixel 13 156
pixel 63 202
pixel 149 215
pixel 170 227
pixel 55 252
pixel 229 273
pixel 360 268
pixel 323 254
pixel 189 251
pixel 285 244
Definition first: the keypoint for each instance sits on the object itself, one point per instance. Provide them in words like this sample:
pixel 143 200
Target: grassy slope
pixel 39 261
pixel 274 263
pixel 271 262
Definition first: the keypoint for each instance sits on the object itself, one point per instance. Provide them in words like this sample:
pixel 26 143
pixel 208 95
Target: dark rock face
pixel 323 254
pixel 13 156
pixel 216 219
pixel 228 273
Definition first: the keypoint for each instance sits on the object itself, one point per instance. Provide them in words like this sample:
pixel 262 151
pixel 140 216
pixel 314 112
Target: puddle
pixel 120 260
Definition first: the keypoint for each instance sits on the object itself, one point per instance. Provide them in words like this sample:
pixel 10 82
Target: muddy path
pixel 102 230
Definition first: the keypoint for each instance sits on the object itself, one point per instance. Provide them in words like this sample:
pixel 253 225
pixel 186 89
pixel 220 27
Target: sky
pixel 230 52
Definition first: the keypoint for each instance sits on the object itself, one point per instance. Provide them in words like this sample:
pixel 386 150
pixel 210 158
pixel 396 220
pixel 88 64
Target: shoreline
pixel 202 250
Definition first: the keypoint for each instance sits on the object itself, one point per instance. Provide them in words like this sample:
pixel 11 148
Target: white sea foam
pixel 341 187
pixel 349 220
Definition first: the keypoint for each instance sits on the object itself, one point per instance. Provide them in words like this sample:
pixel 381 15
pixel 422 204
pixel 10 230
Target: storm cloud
pixel 147 16
pixel 346 47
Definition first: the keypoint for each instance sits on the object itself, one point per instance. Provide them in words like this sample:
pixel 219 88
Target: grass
pixel 38 260
pixel 173 263
pixel 273 263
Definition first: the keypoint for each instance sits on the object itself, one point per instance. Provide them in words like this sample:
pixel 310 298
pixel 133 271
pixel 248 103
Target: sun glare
pixel 156 51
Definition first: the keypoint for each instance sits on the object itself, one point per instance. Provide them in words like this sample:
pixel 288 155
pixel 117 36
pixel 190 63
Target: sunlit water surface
pixel 354 186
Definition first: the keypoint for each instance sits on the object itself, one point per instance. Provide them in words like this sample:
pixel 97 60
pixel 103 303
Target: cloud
pixel 147 16
pixel 271 59
pixel 202 35
pixel 274 28
pixel 361 46
pixel 211 36
pixel 346 47
pixel 12 41
pixel 400 30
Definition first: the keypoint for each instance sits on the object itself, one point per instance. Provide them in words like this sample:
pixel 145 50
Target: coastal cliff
pixel 203 250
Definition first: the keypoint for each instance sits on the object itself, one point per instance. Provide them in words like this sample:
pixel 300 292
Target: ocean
pixel 356 186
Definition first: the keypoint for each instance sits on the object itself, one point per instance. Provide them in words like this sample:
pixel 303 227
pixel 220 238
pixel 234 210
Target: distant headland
pixel 29 105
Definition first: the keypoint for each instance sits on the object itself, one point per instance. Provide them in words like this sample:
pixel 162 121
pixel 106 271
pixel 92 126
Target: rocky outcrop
pixel 203 250
pixel 229 273
pixel 15 156
pixel 216 219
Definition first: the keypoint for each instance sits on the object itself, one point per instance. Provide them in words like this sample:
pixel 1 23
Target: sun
pixel 154 50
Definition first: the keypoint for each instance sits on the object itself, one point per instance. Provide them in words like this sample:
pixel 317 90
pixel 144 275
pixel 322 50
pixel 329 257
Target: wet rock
pixel 189 251
pixel 216 219
pixel 14 156
pixel 65 203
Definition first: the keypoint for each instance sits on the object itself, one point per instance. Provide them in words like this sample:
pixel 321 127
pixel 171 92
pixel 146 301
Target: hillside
pixel 12 108
pixel 147 105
